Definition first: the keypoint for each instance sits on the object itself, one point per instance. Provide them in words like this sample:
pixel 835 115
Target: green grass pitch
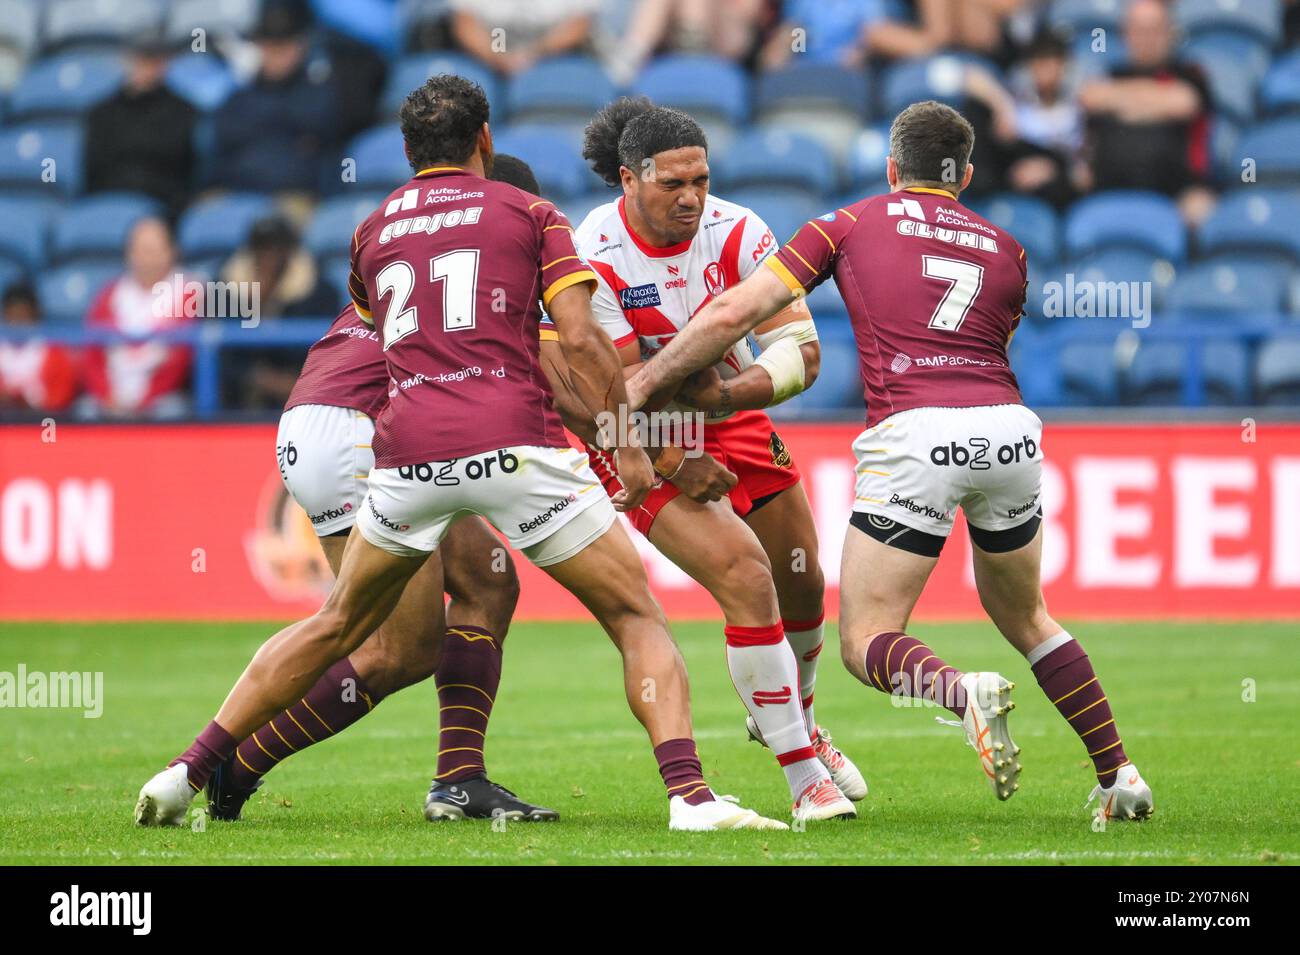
pixel 1226 772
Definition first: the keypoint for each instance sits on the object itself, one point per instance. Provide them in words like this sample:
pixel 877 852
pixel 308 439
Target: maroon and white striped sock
pixel 765 675
pixel 1065 673
pixel 336 701
pixel 805 639
pixel 902 665
pixel 679 765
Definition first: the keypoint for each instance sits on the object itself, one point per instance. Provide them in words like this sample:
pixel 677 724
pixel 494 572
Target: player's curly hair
pixel 514 171
pixel 441 120
pixel 630 130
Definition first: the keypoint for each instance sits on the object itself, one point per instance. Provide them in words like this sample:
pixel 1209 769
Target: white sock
pixel 766 677
pixel 1047 646
pixel 805 639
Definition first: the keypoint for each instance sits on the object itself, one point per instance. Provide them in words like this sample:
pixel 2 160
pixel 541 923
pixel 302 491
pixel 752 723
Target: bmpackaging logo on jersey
pixel 503 461
pixel 976 458
pixel 385 521
pixel 942 361
pixel 909 505
pixel 448 377
pixel 1023 508
pixel 75 907
pixel 331 513
pixel 547 514
pixel 640 296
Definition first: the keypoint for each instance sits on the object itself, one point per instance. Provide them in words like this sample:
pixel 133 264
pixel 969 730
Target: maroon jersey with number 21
pixel 934 293
pixel 450 270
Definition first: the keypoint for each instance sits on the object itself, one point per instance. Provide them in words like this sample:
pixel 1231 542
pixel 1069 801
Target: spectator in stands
pixel 1148 124
pixel 274 134
pixel 511 35
pixel 34 375
pixel 146 377
pixel 725 28
pixel 141 138
pixel 289 286
pixel 1037 121
pixel 975 25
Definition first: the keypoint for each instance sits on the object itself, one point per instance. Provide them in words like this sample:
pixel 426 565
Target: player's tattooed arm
pixel 714 329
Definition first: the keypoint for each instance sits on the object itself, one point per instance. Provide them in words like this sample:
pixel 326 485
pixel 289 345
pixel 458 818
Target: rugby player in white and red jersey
pixel 456 264
pixel 324 455
pixel 662 250
pixel 935 293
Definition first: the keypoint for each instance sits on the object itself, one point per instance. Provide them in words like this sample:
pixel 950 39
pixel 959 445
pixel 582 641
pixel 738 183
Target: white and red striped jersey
pixel 648 294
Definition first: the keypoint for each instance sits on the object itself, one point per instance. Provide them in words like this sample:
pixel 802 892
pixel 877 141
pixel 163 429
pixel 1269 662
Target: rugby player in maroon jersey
pixel 457 265
pixel 935 293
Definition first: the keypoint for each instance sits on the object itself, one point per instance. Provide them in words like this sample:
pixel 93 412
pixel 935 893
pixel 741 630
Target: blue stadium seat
pixel 1280 90
pixel 839 380
pixel 1155 376
pixel 1126 265
pixel 219 225
pixel 1084 16
pixel 1225 371
pixel 784 215
pixel 1258 18
pixel 1126 219
pixel 201 78
pixel 1033 359
pixel 1219 287
pixel 563 90
pixel 65 85
pixel 25 246
pixel 216 17
pixel 20 25
pixel 10 274
pixel 1253 219
pixel 1088 375
pixel 700 85
pixel 1275 147
pixel 577 208
pixel 1232 80
pixel 554 158
pixel 941 77
pixel 330 231
pixel 80 22
pixel 866 162
pixel 98 226
pixel 1225 156
pixel 777 159
pixel 24 151
pixel 821 100
pixel 380 157
pixel 1277 371
pixel 412 70
pixel 66 292
pixel 1295 296
pixel 1031 221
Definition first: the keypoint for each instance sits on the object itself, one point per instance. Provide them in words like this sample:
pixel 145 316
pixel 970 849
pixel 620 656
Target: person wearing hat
pixel 141 139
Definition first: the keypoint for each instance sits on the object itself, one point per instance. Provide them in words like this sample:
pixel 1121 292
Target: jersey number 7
pixel 456 272
pixel 964 278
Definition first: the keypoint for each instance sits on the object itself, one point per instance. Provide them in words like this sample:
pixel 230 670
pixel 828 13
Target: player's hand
pixel 703 479
pixel 636 393
pixel 702 390
pixel 636 474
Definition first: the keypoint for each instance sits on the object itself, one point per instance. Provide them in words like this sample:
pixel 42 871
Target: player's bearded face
pixel 669 194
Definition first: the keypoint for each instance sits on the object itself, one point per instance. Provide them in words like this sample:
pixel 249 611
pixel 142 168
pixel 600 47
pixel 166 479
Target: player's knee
pixel 500 599
pixel 744 581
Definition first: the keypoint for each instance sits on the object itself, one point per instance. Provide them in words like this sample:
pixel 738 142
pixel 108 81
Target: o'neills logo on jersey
pixel 910 505
pixel 676 281
pixel 640 296
pixel 547 514
pixel 900 364
pixel 714 280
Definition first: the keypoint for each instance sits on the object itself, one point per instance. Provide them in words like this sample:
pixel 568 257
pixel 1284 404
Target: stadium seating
pixel 25 247
pixel 1225 371
pixel 66 291
pixel 792 162
pixel 202 79
pixel 98 23
pixel 1253 219
pixel 715 91
pixel 783 214
pixel 1145 221
pixel 381 162
pixel 215 17
pixel 1088 375
pixel 97 226
pixel 939 78
pixel 64 86
pixel 411 71
pixel 1257 18
pixel 1210 287
pixel 866 161
pixel 1032 221
pixel 1155 375
pixel 554 157
pixel 823 101
pixel 1277 371
pixel 1233 66
pixel 329 234
pixel 219 225
pixel 1280 90
pixel 36 156
pixel 1083 16
pixel 565 91
pixel 1275 147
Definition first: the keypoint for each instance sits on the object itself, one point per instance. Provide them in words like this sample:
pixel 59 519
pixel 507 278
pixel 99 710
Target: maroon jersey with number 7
pixel 934 293
pixel 450 270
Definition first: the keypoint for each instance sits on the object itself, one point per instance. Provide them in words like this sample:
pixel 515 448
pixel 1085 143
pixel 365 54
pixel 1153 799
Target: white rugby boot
pixel 166 798
pixel 822 800
pixel 988 701
pixel 847 777
pixel 724 812
pixel 1128 799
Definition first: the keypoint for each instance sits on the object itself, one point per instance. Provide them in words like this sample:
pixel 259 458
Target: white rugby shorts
pixel 324 457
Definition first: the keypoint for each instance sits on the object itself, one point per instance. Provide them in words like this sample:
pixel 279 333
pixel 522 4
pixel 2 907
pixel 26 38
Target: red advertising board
pixel 188 521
